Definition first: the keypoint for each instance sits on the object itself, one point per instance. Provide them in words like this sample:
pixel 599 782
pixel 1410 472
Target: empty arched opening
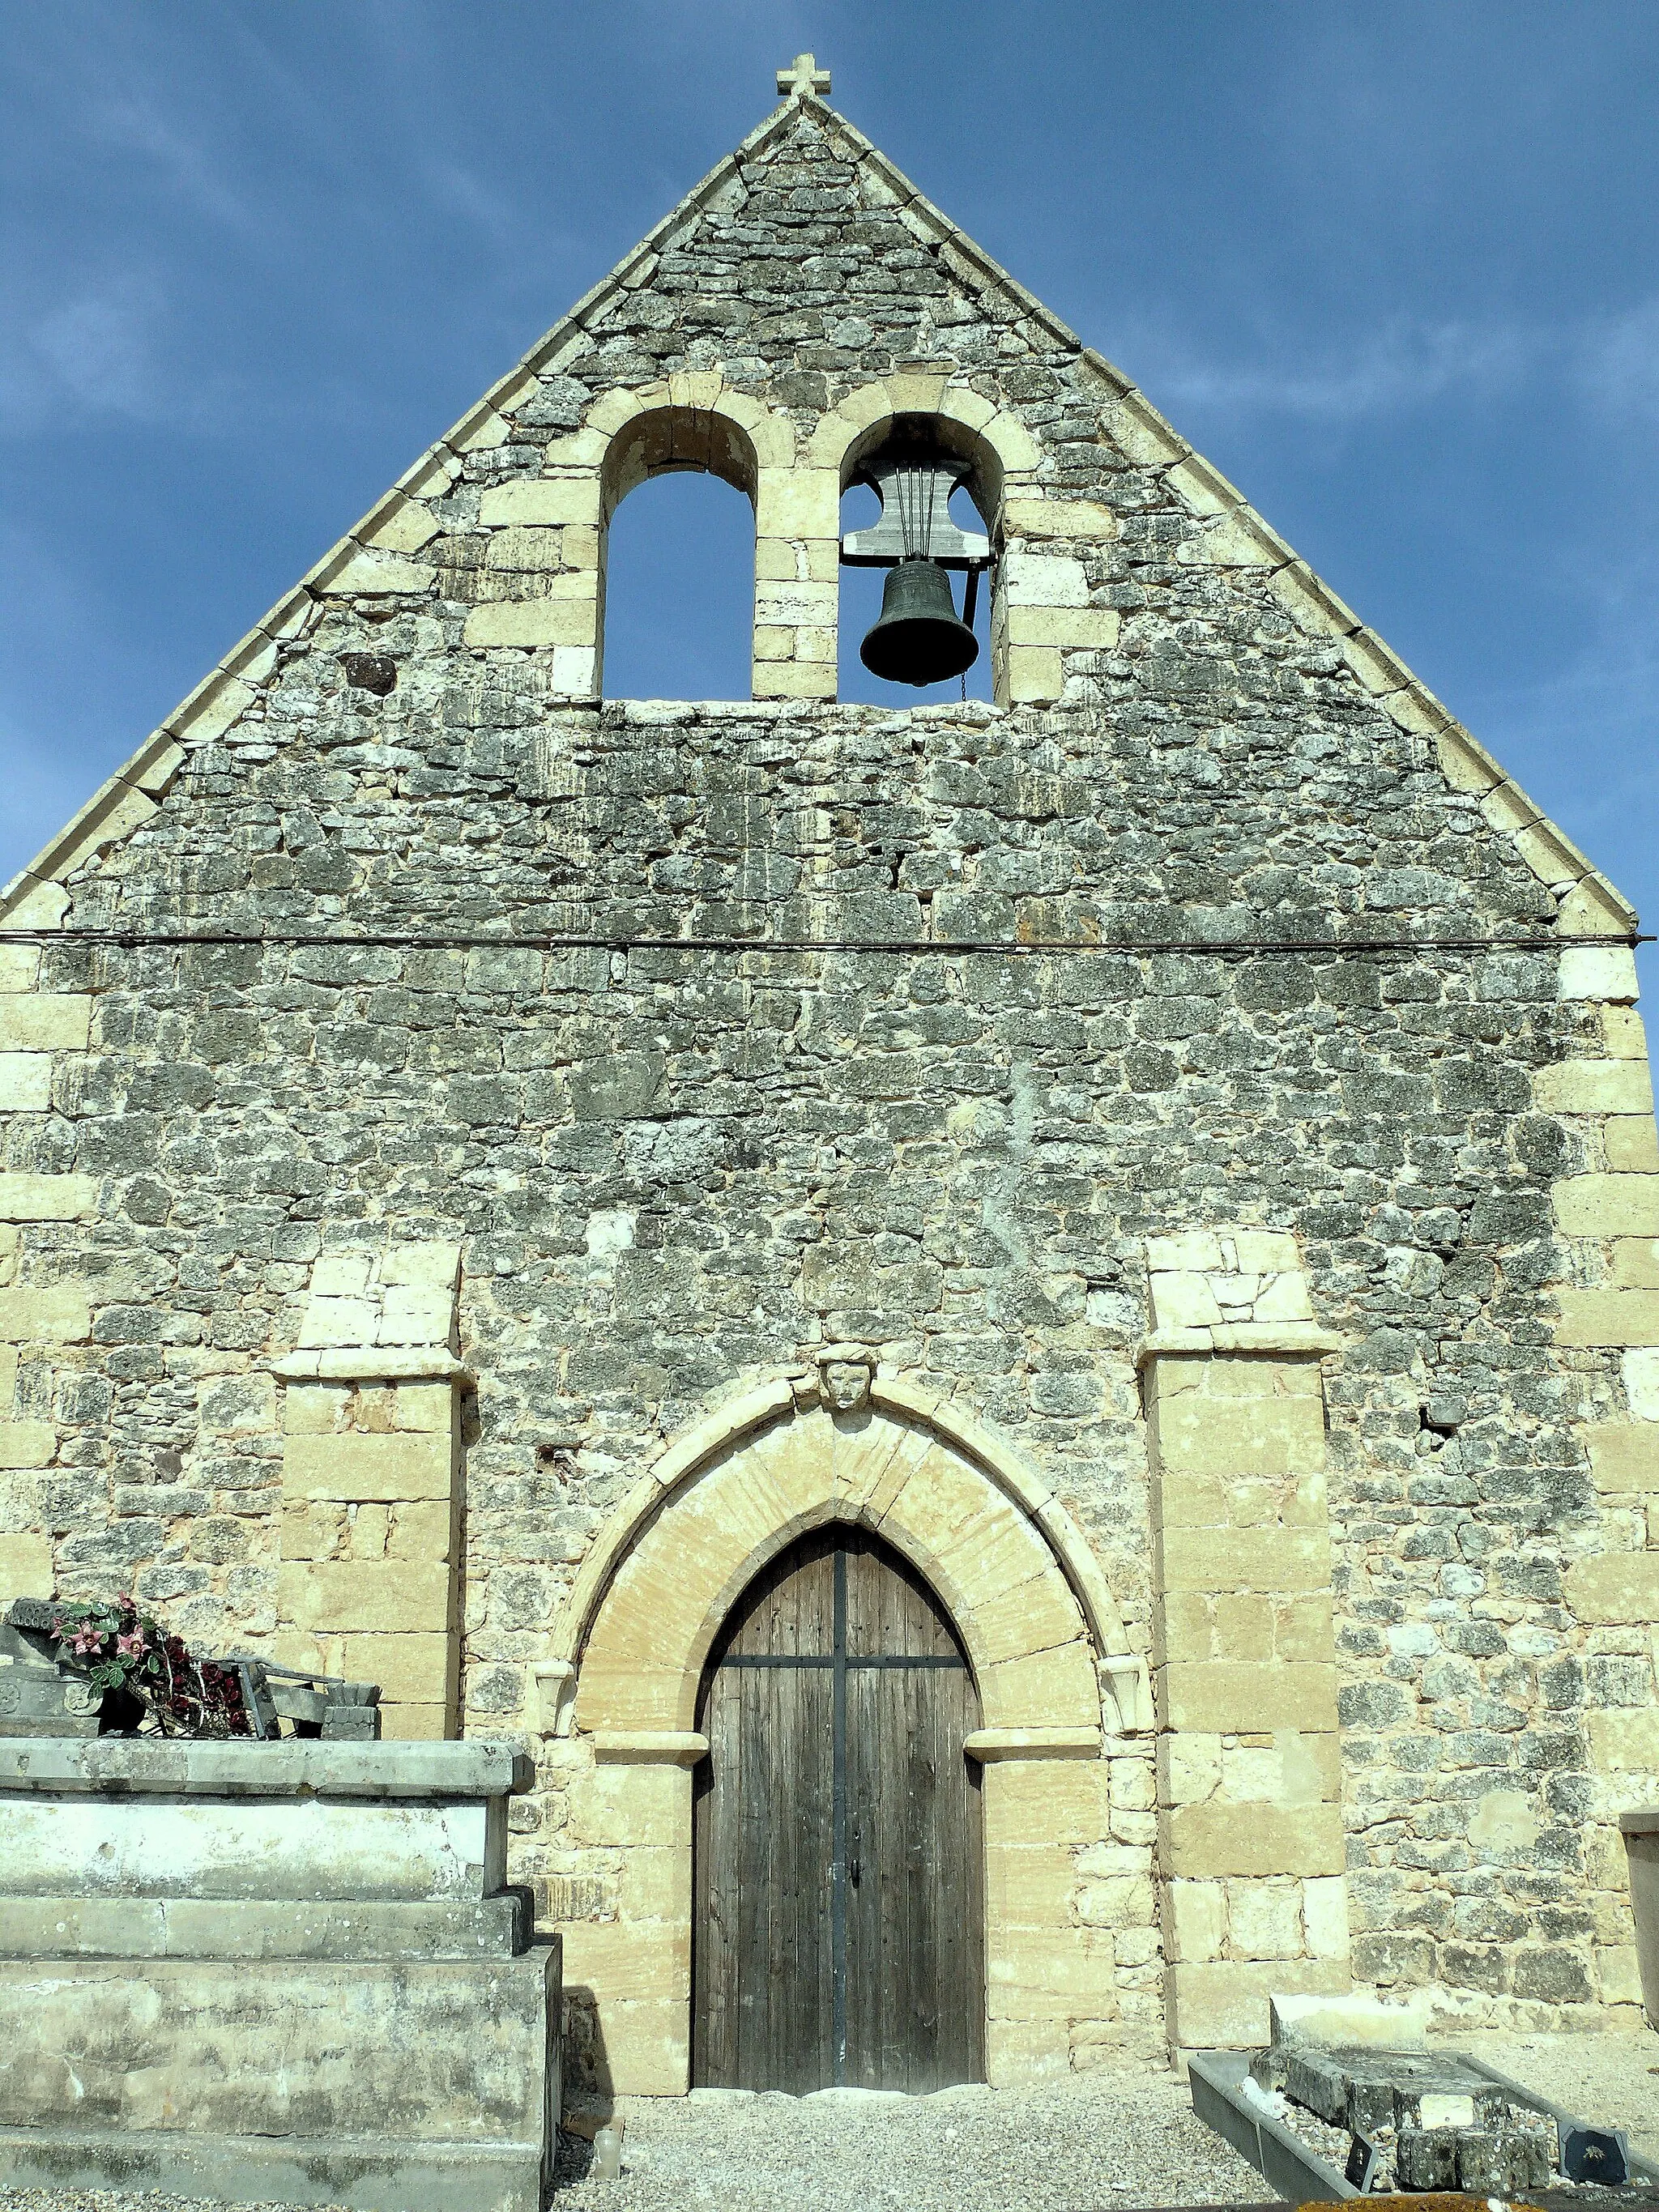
pixel 931 441
pixel 838 1919
pixel 678 562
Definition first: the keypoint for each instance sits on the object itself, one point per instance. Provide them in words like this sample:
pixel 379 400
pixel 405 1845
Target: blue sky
pixel 1394 270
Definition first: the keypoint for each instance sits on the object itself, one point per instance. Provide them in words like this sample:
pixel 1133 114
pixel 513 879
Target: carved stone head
pixel 846 1385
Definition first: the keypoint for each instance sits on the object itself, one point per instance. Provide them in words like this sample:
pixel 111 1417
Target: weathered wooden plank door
pixel 838 1929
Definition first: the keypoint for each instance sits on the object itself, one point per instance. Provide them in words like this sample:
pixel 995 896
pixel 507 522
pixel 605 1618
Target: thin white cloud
pixel 1618 364
pixel 135 123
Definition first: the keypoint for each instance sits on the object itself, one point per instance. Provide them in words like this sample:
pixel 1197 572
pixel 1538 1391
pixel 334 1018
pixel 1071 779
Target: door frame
pixel 1043 1640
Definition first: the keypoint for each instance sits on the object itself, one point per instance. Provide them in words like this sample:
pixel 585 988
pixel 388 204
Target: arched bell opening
pixel 677 573
pixel 838 1855
pixel 920 498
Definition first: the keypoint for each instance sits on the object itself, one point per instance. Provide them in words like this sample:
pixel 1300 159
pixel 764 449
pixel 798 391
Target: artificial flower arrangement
pixel 149 1678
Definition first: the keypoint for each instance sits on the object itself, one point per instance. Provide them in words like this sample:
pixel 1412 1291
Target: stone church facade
pixel 489 1166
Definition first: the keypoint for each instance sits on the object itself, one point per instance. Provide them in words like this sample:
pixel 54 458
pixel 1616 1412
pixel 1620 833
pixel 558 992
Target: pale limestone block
pixel 25 1082
pixel 316 1409
pixel 1043 580
pixel 794 679
pixel 47 1197
pixel 211 710
pixel 1224 2005
pixel 773 645
pixel 1213 1839
pixel 1264 1919
pixel 1021 2053
pixel 359 1468
pixel 1242 1626
pixel 647 1806
pixel 425 1405
pixel 20 966
pixel 412 1724
pixel 1504 1820
pixel 1188 1768
pixel 614 409
pixel 1641 1373
pixel 1184 1302
pixel 1265 1251
pixel 27 1443
pixel 788 605
pixel 1625 1741
pixel 1038 1973
pixel 117 811
pixel 412 1666
pixel 914 394
pixel 1412 711
pixel 1315 611
pixel 776 560
pixel 801 502
pixel 647 2048
pixel 1220 1695
pixel 1032 1887
pixel 1619 1974
pixel 1253 1773
pixel 424 1529
pixel 653 1886
pixel 1594 1086
pixel 341 1275
pixel 414 1316
pixel 1093 629
pixel 577 449
pixel 1598 971
pixel 1033 674
pixel 432 1264
pixel 1636 1263
pixel 1624 1456
pixel 1607 1317
pixel 44 1021
pixel 1119 1902
pixel 1551 859
pixel 1060 1800
pixel 367 1527
pixel 57 1313
pixel 338 1321
pixel 1058 518
pixel 1239 1439
pixel 1043 1689
pixel 543 500
pixel 1372 663
pixel 1631 1144
pixel 370 571
pixel 1283 1298
pixel 404 528
pixel 237 1405
pixel 1235 540
pixel 1193 1251
pixel 1303 1627
pixel 1593 908
pixel 8 1363
pixel 1608 1206
pixel 1138 431
pixel 1012 443
pixel 526 550
pixel 1325 1917
pixel 1507 809
pixel 1196 1919
pixel 581 548
pixel 26 1566
pixel 1202 488
pixel 353 1596
pixel 531 623
pixel 816 644
pixel 312 1532
pixel 574 671
pixel 960 405
pixel 1620 1586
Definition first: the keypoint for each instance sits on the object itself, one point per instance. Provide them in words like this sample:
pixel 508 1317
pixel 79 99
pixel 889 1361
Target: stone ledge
pixel 988 1745
pixel 430 1930
pixel 123 1766
pixel 648 1747
pixel 1301 1339
pixel 375 1362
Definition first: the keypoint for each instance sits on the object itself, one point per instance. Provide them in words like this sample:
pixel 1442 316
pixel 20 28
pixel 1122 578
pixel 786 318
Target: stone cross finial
pixel 804 75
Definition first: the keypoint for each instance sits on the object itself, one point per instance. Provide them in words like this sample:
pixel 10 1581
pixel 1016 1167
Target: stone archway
pixel 1034 1617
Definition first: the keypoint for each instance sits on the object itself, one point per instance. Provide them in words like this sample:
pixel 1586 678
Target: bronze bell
pixel 918 637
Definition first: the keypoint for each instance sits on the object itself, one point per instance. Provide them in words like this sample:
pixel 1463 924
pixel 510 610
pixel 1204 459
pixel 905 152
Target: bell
pixel 918 637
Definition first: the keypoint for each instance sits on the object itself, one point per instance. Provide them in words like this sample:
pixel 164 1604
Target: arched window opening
pixel 918 500
pixel 679 559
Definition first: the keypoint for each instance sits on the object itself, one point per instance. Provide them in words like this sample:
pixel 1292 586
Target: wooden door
pixel 838 1921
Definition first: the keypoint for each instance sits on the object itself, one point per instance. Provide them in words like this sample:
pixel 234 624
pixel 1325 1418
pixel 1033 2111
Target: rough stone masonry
pixel 454 1117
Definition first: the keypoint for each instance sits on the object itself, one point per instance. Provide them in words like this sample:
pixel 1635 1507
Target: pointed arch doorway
pixel 838 1929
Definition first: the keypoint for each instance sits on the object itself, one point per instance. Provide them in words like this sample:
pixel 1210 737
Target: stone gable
pixel 1202 1076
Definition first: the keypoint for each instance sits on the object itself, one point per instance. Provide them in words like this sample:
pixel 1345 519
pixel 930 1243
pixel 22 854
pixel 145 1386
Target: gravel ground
pixel 1097 2140
pixel 1611 2081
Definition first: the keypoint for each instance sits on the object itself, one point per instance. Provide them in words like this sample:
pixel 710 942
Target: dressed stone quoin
pixel 1017 1342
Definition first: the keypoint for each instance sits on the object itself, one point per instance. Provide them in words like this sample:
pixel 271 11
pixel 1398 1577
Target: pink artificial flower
pixel 131 1645
pixel 88 1642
